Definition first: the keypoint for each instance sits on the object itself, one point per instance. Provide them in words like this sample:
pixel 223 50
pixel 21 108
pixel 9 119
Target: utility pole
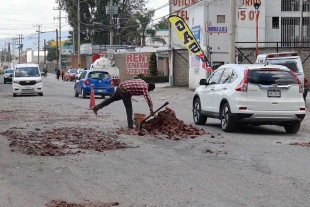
pixel 39 32
pixel 57 51
pixel 20 45
pixel 59 18
pixel 232 42
pixel 111 27
pixel 79 35
pixel 44 52
pixel 301 21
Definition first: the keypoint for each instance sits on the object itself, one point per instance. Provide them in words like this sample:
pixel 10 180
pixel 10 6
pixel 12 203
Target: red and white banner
pixel 137 64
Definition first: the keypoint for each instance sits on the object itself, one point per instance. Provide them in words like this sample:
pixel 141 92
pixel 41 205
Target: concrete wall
pixel 181 68
pixel 303 52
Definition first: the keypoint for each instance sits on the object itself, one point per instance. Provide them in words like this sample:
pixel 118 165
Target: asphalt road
pixel 254 166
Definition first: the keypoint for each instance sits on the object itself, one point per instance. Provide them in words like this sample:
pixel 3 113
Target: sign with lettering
pixel 213 29
pixel 137 63
pixel 247 11
pixel 196 32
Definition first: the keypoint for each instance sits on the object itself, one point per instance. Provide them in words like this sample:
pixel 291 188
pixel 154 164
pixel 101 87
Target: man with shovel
pixel 124 92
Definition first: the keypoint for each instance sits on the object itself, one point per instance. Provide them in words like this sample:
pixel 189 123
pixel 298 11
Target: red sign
pixel 137 64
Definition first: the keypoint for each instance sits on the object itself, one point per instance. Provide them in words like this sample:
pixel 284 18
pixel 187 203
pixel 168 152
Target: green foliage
pixel 153 64
pixel 140 75
pixel 155 79
pixel 162 24
pixel 51 53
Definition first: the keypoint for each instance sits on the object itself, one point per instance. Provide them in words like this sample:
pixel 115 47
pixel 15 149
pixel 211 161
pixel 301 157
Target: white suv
pixel 251 94
pixel 27 80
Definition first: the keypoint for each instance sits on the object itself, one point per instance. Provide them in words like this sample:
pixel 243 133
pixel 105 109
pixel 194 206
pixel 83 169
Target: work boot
pixel 95 109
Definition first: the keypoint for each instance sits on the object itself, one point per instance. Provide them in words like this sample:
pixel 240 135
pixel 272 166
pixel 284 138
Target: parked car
pixel 102 81
pixel 70 75
pixel 27 80
pixel 8 75
pixel 251 94
pixel 78 73
pixel 289 59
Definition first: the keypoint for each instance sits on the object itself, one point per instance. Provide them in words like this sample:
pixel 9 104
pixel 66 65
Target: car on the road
pixel 8 75
pixel 100 79
pixel 79 73
pixel 289 59
pixel 70 75
pixel 27 80
pixel 250 94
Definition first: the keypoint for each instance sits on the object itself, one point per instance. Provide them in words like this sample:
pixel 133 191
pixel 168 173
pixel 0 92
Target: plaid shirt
pixel 137 87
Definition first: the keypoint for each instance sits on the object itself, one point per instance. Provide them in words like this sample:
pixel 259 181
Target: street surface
pixel 253 167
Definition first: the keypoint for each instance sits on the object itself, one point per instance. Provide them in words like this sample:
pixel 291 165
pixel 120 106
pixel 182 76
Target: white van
pixel 27 80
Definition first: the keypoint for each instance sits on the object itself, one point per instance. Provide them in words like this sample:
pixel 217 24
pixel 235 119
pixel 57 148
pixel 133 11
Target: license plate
pixel 100 91
pixel 27 87
pixel 274 93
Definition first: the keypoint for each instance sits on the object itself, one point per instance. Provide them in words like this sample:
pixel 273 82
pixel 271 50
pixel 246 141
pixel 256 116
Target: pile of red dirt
pixel 62 141
pixel 166 123
pixel 60 203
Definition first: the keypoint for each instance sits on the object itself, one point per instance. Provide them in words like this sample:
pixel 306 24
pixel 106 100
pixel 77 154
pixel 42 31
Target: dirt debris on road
pixel 166 124
pixel 62 141
pixel 61 203
pixel 302 144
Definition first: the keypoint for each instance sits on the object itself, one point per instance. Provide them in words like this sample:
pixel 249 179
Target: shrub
pixel 153 65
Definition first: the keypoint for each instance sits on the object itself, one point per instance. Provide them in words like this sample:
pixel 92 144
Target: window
pixel 220 18
pixel 99 75
pixel 290 5
pixel 291 64
pixel 27 72
pixel 215 77
pixel 266 77
pixel 225 79
pixel 83 75
pixel 275 22
pixel 233 77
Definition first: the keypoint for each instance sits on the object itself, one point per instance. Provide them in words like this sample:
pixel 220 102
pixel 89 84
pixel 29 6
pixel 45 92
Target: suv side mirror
pixel 203 82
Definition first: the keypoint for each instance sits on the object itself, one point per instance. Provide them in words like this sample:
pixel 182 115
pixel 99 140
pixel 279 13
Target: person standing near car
pixel 57 73
pixel 124 92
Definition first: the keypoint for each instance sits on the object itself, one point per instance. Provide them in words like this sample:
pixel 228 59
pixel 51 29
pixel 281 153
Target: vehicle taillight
pixel 306 83
pixel 111 83
pixel 243 86
pixel 299 83
pixel 87 82
pixel 270 56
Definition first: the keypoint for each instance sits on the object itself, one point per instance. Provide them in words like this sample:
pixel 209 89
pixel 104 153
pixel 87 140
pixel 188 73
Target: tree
pixel 51 51
pixel 153 64
pixel 162 24
pixel 144 19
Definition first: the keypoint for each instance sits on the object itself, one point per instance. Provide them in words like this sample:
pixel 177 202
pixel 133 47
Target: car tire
pixel 75 92
pixel 14 94
pixel 83 94
pixel 102 96
pixel 40 94
pixel 292 128
pixel 67 79
pixel 199 119
pixel 4 81
pixel 227 124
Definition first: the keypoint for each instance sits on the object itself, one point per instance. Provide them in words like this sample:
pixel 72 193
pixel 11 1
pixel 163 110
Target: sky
pixel 22 16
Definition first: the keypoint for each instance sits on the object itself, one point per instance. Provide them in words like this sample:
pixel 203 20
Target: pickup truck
pixel 289 59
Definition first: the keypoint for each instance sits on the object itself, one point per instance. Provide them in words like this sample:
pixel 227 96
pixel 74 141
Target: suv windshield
pixel 9 71
pixel 267 77
pixel 72 71
pixel 289 63
pixel 27 72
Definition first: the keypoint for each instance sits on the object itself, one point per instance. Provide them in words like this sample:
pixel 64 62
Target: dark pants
pixel 120 95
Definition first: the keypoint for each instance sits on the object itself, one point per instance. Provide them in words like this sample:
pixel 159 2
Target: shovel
pixel 143 121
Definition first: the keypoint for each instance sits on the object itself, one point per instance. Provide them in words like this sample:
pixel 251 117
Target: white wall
pixel 32 56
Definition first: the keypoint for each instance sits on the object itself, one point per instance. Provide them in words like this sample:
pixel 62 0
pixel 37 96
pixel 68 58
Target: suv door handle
pixel 224 88
pixel 212 89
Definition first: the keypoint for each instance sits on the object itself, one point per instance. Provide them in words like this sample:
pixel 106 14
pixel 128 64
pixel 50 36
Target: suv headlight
pixel 39 81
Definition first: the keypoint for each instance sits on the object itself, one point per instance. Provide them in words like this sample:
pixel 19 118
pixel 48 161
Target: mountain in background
pixel 31 40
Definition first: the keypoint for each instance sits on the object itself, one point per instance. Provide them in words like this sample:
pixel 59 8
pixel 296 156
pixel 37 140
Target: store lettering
pixel 250 3
pixel 183 3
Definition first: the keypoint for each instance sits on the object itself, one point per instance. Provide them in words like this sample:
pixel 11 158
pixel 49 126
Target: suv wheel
pixel 292 128
pixel 226 123
pixel 199 119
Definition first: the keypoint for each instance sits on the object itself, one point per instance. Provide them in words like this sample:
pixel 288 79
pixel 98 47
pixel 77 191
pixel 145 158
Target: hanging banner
pixel 188 39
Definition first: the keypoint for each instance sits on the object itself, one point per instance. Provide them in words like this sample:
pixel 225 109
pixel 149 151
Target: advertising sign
pixel 137 64
pixel 196 32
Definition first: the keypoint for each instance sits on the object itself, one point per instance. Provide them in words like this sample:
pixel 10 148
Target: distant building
pixel 161 38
